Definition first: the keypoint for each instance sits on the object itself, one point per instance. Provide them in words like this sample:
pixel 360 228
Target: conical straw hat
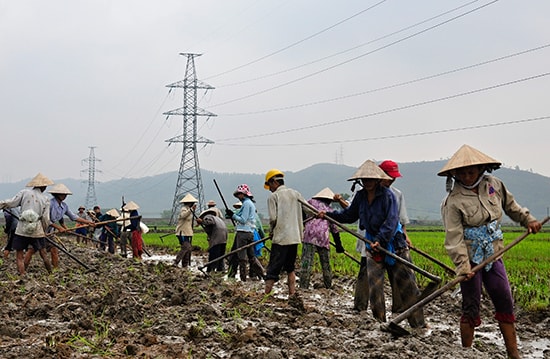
pixel 325 193
pixel 113 213
pixel 40 181
pixel 468 156
pixel 130 206
pixel 207 211
pixel 60 188
pixel 189 199
pixel 369 169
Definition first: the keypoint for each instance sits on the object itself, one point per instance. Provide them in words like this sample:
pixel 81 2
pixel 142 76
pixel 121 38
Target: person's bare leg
pixel 291 283
pixel 20 260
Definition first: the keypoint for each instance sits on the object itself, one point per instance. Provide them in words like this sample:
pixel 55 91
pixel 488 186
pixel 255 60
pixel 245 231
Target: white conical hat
pixel 369 169
pixel 189 199
pixel 113 213
pixel 237 204
pixel 325 193
pixel 40 181
pixel 130 206
pixel 60 188
pixel 468 156
pixel 207 211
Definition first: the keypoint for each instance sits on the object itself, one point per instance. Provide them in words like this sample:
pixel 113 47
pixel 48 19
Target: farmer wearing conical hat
pixel 212 205
pixel 109 231
pixel 184 230
pixel 216 231
pixel 135 229
pixel 317 240
pixel 58 209
pixel 376 208
pixel 33 220
pixel 472 214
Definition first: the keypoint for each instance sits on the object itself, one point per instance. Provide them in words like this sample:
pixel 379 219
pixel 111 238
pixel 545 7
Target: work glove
pixel 228 214
pixel 338 242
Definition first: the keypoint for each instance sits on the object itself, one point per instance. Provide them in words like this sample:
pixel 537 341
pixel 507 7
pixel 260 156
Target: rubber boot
pixel 269 286
pixel 466 334
pixel 243 270
pixel 508 331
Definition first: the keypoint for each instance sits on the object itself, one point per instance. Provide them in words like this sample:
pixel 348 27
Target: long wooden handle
pixel 380 248
pixel 460 278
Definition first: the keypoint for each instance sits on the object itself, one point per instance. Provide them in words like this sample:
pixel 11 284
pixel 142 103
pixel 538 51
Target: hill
pixel 423 189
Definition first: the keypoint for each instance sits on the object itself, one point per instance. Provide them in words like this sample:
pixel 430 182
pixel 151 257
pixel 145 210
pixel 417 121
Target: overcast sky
pixel 296 83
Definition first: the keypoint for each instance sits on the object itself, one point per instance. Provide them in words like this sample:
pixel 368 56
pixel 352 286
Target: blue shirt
pixel 58 210
pixel 246 216
pixel 379 218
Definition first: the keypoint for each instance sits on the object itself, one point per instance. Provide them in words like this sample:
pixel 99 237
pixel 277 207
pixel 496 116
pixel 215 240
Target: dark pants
pixel 184 255
pixel 283 258
pixel 214 253
pixel 497 286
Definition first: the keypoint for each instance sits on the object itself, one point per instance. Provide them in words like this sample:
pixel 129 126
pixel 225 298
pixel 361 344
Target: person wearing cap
pixel 136 239
pixel 286 227
pixel 184 230
pixel 212 205
pixel 110 230
pixel 376 209
pixel 95 214
pixel 245 219
pixel 82 231
pixel 316 239
pixel 216 232
pixel 58 209
pixel 391 168
pixel 472 215
pixel 33 220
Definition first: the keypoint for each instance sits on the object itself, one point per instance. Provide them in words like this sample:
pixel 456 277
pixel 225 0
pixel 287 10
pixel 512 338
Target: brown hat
pixel 325 193
pixel 468 156
pixel 60 188
pixel 40 181
pixel 188 199
pixel 369 169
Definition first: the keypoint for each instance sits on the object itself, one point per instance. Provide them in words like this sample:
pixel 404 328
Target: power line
pixel 416 134
pixel 395 109
pixel 297 42
pixel 348 50
pixel 389 86
pixel 353 58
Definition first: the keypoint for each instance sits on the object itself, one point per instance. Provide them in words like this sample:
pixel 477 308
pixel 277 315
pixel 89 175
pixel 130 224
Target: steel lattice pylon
pixel 189 176
pixel 91 199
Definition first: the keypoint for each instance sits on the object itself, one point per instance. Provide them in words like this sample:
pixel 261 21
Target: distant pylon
pixel 189 176
pixel 91 199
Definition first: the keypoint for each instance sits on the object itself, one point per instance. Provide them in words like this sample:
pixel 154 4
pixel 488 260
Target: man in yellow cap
pixel 286 229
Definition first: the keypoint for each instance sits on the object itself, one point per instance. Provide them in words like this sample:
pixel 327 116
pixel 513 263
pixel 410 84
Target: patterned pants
pixel 404 290
pixel 308 252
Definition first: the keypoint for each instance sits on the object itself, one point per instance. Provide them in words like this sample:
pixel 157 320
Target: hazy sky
pixel 296 83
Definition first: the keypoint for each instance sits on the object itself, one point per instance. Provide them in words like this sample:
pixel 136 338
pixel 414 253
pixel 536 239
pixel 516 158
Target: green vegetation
pixel 527 264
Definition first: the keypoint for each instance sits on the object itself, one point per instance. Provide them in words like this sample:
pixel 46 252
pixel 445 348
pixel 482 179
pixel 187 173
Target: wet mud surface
pixel 151 309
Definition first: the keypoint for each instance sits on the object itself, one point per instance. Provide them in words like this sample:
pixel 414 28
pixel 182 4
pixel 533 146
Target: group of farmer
pixel 34 222
pixel 472 214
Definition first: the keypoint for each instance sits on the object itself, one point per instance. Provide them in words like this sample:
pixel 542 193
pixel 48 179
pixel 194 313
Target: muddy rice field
pixel 122 308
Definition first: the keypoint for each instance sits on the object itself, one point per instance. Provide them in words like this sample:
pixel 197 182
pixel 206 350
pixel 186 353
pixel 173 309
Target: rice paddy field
pixel 527 264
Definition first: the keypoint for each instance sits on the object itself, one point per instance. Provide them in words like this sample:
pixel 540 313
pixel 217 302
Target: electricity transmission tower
pixel 91 199
pixel 189 176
